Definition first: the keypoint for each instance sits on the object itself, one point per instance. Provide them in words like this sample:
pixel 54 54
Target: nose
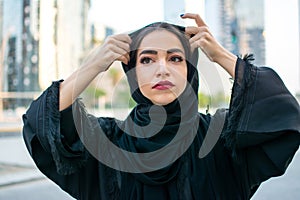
pixel 162 69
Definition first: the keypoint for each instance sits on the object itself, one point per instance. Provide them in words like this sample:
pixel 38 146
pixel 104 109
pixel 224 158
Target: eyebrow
pixel 174 51
pixel 148 52
pixel 169 51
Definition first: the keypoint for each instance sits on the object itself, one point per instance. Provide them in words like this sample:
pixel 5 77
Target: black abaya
pixel 259 140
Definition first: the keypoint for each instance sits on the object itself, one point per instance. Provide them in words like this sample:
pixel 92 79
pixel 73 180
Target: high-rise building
pixel 229 24
pixel 221 17
pixel 48 62
pixel 64 36
pixel 30 44
pixel 11 45
pixel 238 25
pixel 1 50
pixel 19 61
pixel 1 21
pixel 251 29
pixel 41 41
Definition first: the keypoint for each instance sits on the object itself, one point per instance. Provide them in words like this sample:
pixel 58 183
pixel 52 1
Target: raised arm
pixel 203 39
pixel 115 48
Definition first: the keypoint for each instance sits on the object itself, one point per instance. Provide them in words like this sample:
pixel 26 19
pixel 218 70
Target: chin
pixel 164 100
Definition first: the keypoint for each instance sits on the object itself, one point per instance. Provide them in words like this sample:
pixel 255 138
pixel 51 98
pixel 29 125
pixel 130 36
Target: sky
pixel 282 40
pixel 281 29
pixel 127 15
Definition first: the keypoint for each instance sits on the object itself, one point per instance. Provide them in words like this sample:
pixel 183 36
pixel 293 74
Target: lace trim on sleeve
pixel 245 74
pixel 67 162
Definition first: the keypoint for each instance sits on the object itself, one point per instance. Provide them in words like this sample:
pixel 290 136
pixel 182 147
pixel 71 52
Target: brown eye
pixel 146 60
pixel 176 59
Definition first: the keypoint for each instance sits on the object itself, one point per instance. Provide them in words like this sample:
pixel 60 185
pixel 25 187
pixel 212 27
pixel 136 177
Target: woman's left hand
pixel 201 37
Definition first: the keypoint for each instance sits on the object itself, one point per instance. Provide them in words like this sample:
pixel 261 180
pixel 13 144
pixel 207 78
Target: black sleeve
pixel 263 124
pixel 43 121
pixel 52 141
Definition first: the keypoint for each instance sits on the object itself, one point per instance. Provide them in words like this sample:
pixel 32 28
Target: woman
pixel 157 152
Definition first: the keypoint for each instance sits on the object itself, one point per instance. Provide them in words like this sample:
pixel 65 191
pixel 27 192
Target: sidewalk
pixel 16 165
pixel 10 122
pixel 8 127
pixel 10 175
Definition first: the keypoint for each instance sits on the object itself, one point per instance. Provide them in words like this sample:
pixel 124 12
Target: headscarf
pixel 180 116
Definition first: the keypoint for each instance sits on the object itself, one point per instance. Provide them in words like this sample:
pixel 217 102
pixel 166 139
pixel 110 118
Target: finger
pixel 118 47
pixel 117 51
pixel 123 37
pixel 123 46
pixel 121 41
pixel 192 30
pixel 118 40
pixel 201 36
pixel 127 58
pixel 199 21
pixel 123 59
pixel 200 45
pixel 120 53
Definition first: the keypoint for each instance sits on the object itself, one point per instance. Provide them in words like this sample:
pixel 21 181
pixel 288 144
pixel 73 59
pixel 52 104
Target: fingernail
pixel 181 15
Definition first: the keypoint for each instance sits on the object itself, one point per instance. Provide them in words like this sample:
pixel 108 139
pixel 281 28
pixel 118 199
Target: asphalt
pixel 16 165
pixel 12 175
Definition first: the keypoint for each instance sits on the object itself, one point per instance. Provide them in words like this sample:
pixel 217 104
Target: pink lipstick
pixel 163 85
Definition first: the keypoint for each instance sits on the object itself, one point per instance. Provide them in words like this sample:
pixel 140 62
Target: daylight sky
pixel 126 15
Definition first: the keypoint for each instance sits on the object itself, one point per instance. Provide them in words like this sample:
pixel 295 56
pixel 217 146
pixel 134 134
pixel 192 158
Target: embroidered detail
pixel 66 162
pixel 244 77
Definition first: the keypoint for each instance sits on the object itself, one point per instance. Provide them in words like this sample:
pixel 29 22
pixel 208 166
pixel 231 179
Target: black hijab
pixel 165 132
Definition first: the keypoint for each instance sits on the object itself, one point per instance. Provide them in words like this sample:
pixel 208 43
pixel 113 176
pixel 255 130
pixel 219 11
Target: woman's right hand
pixel 114 48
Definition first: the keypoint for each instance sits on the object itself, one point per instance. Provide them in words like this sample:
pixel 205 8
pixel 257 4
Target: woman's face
pixel 161 67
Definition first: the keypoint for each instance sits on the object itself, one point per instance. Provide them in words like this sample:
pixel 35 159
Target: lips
pixel 163 85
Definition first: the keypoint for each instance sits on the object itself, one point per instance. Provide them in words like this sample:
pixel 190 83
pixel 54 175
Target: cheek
pixel 181 79
pixel 144 75
pixel 180 75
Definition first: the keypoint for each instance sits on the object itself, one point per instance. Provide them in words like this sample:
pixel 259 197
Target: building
pixel 41 41
pixel 238 25
pixel 19 62
pixel 64 37
pixel 251 28
pixel 105 82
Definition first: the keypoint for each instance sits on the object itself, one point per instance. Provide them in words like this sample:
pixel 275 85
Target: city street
pixel 34 190
pixel 34 186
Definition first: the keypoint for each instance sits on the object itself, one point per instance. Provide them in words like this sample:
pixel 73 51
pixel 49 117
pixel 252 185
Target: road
pixel 285 187
pixel 35 190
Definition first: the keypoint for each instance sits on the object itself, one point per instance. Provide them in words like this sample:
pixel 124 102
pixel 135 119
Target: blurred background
pixel 46 40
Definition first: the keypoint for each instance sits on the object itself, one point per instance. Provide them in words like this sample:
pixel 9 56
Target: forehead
pixel 160 39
